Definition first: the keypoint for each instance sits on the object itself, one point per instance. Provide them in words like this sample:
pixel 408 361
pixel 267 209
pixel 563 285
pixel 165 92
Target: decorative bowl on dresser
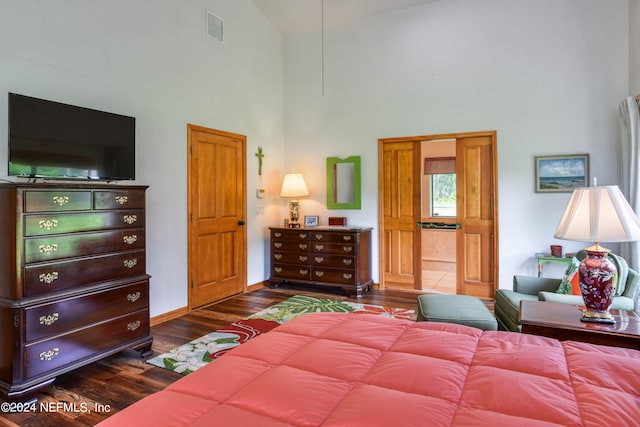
pixel 73 282
pixel 325 256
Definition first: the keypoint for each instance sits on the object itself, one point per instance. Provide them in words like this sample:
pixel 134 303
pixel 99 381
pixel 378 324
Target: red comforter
pixel 364 370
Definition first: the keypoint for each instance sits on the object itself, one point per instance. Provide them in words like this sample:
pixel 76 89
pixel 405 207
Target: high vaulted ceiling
pixel 299 16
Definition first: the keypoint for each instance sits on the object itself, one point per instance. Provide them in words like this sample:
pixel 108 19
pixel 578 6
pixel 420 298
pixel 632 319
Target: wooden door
pixel 477 205
pixel 477 239
pixel 217 212
pixel 399 210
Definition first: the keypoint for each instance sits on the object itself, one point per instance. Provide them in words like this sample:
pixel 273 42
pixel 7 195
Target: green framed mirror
pixel 343 183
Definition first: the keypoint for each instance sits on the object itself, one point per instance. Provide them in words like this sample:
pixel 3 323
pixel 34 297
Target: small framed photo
pixel 561 174
pixel 311 220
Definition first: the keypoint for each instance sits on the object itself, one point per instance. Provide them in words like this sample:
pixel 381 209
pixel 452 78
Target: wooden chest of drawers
pixel 73 282
pixel 325 256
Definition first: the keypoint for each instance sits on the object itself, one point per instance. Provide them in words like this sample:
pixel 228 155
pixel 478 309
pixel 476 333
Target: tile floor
pixel 441 282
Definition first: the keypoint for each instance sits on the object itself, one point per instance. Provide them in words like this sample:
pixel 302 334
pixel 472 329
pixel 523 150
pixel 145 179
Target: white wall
pixel 152 60
pixel 634 47
pixel 547 75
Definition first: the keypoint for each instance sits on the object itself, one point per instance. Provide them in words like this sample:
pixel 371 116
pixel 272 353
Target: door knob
pixel 241 222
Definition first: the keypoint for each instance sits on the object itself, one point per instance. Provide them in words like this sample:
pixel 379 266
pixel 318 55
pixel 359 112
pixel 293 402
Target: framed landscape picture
pixel 561 174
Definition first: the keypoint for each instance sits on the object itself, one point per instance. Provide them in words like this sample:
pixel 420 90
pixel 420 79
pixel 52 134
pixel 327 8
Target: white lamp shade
pixel 293 185
pixel 598 214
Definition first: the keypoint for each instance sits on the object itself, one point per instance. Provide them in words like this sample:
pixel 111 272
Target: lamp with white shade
pixel 294 186
pixel 598 214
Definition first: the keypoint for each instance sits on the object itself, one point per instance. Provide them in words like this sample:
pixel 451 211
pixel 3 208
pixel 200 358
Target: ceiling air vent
pixel 215 27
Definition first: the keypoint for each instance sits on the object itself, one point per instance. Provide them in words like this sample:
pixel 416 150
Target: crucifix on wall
pixel 259 155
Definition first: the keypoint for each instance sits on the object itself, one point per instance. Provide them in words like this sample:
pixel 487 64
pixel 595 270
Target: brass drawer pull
pixel 302 246
pixel 60 200
pixel 347 261
pixel 133 297
pixel 303 258
pixel 48 249
pixel 48 278
pixel 347 248
pixel 303 235
pixel 319 273
pixel 277 245
pixel 319 247
pixel 130 240
pixel 319 236
pixel 130 219
pixel 304 272
pixel 49 355
pixel 130 263
pixel 277 269
pixel 347 276
pixel 319 259
pixel 277 234
pixel 48 224
pixel 49 320
pixel 133 325
pixel 277 256
pixel 347 238
pixel 121 200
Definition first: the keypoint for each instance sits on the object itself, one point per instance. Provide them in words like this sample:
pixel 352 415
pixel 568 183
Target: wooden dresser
pixel 73 282
pixel 325 256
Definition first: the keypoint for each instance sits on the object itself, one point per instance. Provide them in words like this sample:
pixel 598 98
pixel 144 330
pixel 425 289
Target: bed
pixel 334 369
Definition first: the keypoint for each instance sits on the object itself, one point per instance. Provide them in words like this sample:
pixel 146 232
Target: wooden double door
pixel 400 195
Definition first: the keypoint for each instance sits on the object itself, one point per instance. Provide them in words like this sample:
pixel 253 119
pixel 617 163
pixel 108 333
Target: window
pixel 442 180
pixel 443 195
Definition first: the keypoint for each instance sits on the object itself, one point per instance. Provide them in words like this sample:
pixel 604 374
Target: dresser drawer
pixel 44 356
pixel 326 260
pixel 292 235
pixel 57 201
pixel 119 199
pixel 323 236
pixel 333 248
pixel 290 257
pixel 280 245
pixel 82 244
pixel 42 225
pixel 293 272
pixel 72 313
pixel 50 277
pixel 347 277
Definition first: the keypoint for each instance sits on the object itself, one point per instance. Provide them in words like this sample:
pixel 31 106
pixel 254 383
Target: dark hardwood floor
pixel 90 394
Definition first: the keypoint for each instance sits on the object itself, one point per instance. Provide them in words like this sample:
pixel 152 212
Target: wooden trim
pixel 439 136
pixel 174 314
pixel 170 315
pixel 381 255
pixel 256 286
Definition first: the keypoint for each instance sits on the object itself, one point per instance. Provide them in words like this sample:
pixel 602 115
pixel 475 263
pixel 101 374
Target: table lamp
pixel 598 214
pixel 294 186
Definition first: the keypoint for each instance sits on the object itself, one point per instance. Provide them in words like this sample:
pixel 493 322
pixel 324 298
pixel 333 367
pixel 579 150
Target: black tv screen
pixel 49 139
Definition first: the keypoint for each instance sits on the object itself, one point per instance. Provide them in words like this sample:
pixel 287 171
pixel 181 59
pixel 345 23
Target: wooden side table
pixel 562 321
pixel 545 258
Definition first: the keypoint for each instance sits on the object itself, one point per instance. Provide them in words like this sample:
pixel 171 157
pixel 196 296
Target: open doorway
pixel 438 216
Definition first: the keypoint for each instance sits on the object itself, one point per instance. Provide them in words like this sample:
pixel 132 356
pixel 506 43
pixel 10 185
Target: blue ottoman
pixel 460 309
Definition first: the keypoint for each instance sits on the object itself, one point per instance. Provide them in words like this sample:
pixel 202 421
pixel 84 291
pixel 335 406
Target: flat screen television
pixel 50 139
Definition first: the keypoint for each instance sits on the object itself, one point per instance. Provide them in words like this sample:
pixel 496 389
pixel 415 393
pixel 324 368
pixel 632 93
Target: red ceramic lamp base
pixel 598 280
